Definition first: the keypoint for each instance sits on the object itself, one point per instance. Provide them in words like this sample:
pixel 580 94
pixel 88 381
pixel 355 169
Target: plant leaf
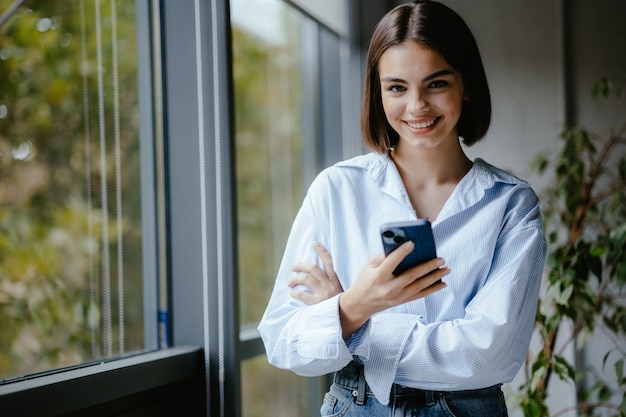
pixel 564 369
pixel 619 371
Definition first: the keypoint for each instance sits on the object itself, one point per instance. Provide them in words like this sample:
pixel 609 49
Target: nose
pixel 418 103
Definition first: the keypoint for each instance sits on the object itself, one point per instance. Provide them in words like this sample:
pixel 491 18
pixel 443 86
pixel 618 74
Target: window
pixel 269 64
pixel 71 211
pixel 171 156
pixel 269 96
pixel 277 54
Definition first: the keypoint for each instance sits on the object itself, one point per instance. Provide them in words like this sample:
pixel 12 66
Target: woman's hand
pixel 323 284
pixel 377 289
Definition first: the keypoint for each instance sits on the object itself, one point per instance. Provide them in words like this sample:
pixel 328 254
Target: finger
pixel 304 279
pixel 425 286
pixel 303 267
pixel 376 260
pixel 325 257
pixel 310 268
pixel 437 274
pixel 424 268
pixel 392 260
pixel 303 296
pixel 433 279
pixel 437 286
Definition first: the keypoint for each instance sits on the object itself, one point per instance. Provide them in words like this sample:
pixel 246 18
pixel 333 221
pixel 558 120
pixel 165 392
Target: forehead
pixel 411 59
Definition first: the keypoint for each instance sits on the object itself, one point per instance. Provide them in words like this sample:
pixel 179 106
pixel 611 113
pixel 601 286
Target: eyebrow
pixel 438 74
pixel 426 79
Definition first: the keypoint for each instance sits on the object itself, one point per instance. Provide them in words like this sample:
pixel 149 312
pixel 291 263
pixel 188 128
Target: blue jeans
pixel 350 396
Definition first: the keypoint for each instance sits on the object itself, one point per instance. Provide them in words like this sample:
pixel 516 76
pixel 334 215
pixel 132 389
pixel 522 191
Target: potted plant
pixel 584 212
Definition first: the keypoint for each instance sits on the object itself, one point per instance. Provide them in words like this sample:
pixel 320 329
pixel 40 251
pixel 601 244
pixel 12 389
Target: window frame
pixel 128 380
pixel 185 93
pixel 135 380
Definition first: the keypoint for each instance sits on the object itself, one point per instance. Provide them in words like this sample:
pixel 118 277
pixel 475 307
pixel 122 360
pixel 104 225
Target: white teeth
pixel 422 125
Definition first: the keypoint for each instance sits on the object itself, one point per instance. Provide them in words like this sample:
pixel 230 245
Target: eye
pixel 438 84
pixel 396 88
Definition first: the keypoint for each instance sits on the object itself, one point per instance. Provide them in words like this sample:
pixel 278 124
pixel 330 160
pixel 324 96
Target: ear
pixel 466 95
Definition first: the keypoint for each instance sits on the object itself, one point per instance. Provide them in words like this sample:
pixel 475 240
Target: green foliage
pixel 585 218
pixel 269 140
pixel 608 86
pixel 42 293
pixel 50 315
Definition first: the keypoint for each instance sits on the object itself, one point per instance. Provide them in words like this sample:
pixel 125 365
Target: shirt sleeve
pixel 304 339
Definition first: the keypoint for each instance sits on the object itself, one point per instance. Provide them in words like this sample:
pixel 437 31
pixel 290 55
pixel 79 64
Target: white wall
pixel 598 49
pixel 522 61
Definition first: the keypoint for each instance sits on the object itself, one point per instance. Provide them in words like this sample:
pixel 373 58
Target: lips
pixel 424 124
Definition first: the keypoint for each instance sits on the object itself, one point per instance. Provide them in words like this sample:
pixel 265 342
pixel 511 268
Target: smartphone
pixel 419 232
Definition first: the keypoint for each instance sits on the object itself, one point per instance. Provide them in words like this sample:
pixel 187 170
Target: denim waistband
pixel 352 377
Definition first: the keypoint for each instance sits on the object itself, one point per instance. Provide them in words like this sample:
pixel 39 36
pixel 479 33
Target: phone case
pixel 419 232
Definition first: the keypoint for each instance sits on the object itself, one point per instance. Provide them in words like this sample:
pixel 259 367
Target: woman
pixel 412 344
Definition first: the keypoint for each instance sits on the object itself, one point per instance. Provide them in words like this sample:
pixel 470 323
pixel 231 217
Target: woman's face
pixel 422 95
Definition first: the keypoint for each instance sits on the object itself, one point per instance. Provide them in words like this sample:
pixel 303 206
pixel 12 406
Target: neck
pixel 431 167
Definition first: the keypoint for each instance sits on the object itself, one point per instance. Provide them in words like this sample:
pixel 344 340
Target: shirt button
pixel 355 393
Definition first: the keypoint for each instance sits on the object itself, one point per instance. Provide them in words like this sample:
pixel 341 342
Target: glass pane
pixel 268 391
pixel 268 61
pixel 70 212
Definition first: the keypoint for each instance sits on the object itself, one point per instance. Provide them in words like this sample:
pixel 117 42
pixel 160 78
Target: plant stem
pixel 587 202
pixel 548 350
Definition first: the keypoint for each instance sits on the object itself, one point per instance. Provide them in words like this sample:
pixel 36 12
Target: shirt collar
pixel 469 191
pixel 381 169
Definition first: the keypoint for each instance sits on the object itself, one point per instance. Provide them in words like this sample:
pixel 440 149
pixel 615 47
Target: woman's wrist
pixel 351 314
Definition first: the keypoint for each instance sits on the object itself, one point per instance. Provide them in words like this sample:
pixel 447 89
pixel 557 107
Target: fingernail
pixel 440 262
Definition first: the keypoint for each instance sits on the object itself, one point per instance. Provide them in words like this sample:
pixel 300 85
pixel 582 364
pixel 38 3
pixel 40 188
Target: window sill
pixel 102 384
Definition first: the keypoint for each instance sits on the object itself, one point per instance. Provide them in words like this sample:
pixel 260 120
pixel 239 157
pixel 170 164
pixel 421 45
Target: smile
pixel 423 125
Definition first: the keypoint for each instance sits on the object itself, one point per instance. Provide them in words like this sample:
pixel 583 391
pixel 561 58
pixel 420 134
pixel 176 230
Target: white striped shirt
pixel 472 334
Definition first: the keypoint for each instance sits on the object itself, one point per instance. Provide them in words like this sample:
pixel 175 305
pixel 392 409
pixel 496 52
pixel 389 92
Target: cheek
pixel 453 104
pixel 392 109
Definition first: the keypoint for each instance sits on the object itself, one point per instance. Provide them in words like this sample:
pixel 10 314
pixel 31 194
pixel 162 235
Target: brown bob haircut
pixel 440 28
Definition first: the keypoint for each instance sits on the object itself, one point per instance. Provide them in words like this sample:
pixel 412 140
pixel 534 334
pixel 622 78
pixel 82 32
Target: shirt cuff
pixel 321 337
pixel 359 343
